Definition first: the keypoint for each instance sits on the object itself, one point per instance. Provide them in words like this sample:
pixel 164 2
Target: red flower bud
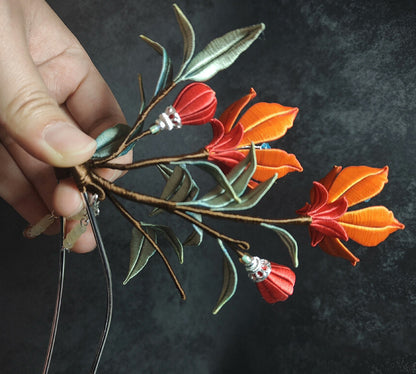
pixel 196 104
pixel 275 282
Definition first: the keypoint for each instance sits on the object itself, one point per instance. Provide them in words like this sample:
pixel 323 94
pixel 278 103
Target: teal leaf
pixel 165 76
pixel 288 240
pixel 220 53
pixel 229 281
pixel 188 38
pixel 140 252
pixel 109 141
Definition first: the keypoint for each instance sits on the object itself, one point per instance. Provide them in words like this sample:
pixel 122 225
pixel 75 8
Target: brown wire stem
pixel 139 227
pixel 201 154
pixel 239 243
pixel 172 206
pixel 141 117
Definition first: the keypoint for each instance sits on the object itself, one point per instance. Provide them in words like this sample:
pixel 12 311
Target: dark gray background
pixel 350 68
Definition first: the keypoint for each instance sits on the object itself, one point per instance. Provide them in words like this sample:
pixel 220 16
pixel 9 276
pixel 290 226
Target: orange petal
pixel 370 226
pixel 272 161
pixel 358 183
pixel 229 117
pixel 265 122
pixel 334 247
pixel 327 180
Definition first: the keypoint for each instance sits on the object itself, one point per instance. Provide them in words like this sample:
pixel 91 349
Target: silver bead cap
pixel 258 269
pixel 169 119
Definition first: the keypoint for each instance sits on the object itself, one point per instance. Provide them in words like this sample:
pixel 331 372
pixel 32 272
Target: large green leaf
pixel 220 53
pixel 188 38
pixel 288 240
pixel 109 141
pixel 229 281
pixel 140 252
pixel 165 76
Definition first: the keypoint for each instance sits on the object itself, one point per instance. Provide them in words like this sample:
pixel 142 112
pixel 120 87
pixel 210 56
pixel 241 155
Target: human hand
pixel 51 97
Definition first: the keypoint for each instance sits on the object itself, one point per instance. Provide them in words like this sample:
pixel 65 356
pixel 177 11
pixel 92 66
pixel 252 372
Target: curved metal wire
pixel 55 321
pixel 107 273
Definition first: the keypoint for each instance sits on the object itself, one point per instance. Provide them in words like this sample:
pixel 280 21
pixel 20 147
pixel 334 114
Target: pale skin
pixel 53 103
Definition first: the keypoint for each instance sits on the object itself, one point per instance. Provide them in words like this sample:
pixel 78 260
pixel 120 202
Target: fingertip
pixel 67 200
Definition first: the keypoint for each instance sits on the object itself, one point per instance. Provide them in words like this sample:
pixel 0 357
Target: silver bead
pixel 258 269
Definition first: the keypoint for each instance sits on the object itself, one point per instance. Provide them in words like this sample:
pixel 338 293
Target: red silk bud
pixel 196 104
pixel 275 282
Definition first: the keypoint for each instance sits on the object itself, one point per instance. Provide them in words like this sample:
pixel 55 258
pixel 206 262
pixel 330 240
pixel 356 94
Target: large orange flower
pixel 333 195
pixel 261 123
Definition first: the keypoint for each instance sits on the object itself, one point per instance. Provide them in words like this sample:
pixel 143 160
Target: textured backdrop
pixel 350 68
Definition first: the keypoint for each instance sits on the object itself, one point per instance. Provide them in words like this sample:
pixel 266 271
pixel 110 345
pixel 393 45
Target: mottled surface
pixel 350 68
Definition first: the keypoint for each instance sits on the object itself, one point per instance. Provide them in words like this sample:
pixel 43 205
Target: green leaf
pixel 197 234
pixel 165 76
pixel 252 197
pixel 229 282
pixel 220 53
pixel 288 240
pixel 109 141
pixel 215 172
pixel 140 252
pixel 179 187
pixel 188 38
pixel 168 233
pixel 239 177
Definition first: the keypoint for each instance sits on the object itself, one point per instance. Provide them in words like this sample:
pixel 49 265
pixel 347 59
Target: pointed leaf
pixel 197 234
pixel 168 233
pixel 165 76
pixel 252 197
pixel 229 281
pixel 288 240
pixel 220 53
pixel 109 140
pixel 140 252
pixel 188 38
pixel 215 172
pixel 179 187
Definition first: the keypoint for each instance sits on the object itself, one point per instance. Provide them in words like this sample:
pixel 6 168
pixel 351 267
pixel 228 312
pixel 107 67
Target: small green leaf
pixel 220 53
pixel 288 240
pixel 197 234
pixel 188 38
pixel 165 171
pixel 165 76
pixel 109 141
pixel 229 282
pixel 140 252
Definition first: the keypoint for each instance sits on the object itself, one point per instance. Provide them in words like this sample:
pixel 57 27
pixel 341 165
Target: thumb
pixel 33 118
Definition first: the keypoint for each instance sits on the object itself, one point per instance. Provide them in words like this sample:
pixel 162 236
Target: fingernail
pixel 66 139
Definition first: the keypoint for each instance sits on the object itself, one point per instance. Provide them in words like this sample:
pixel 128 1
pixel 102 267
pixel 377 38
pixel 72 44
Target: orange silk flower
pixel 261 123
pixel 333 195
